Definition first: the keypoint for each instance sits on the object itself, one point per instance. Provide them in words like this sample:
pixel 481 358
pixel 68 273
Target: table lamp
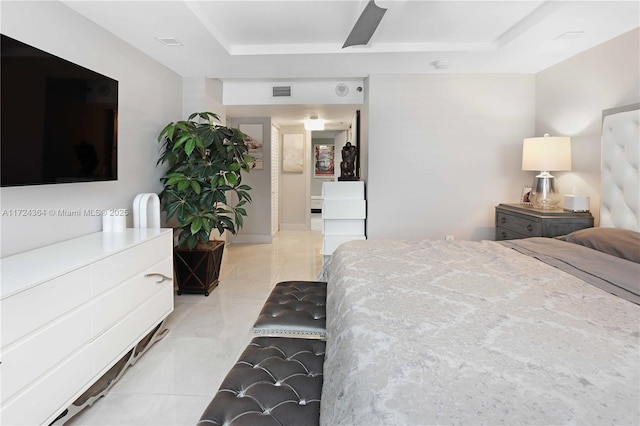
pixel 549 153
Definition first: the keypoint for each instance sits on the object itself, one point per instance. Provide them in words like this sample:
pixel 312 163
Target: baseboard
pixel 294 227
pixel 252 239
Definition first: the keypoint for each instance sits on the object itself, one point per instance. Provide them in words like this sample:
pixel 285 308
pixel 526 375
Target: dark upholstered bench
pixel 276 381
pixel 294 308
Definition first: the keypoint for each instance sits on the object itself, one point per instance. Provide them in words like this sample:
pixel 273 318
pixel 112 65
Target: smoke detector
pixel 342 90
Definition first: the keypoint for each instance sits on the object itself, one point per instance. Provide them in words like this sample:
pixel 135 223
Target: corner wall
pixel 202 94
pixel 570 98
pixel 150 96
pixel 257 224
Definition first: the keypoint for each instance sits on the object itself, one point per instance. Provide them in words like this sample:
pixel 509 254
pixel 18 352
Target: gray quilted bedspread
pixel 436 332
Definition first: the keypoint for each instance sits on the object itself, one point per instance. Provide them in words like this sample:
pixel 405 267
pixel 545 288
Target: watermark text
pixel 61 212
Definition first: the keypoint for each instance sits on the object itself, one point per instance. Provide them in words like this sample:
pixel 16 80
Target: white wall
pixel 570 97
pixel 363 149
pixel 257 223
pixel 302 92
pixel 150 96
pixel 202 94
pixel 443 151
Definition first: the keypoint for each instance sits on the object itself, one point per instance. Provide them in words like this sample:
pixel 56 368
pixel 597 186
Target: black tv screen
pixel 59 120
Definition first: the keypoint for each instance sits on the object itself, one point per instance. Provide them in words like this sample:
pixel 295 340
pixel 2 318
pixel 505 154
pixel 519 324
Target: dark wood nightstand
pixel 515 221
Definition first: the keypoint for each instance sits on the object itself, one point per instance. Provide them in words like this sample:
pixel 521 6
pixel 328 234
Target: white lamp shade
pixel 548 153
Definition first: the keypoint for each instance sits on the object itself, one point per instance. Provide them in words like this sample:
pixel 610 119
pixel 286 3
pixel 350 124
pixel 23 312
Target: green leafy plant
pixel 205 161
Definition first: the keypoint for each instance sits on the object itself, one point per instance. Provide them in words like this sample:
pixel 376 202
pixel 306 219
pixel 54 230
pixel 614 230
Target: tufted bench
pixel 276 381
pixel 294 308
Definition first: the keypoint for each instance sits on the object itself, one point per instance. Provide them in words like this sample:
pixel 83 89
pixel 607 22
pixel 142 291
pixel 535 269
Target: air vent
pixel 279 91
pixel 169 41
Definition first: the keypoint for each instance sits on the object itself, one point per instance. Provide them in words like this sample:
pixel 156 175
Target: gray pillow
pixel 621 243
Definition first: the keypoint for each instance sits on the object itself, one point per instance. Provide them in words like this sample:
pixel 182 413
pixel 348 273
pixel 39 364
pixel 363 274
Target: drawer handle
pixel 529 227
pixel 503 220
pixel 504 235
pixel 162 277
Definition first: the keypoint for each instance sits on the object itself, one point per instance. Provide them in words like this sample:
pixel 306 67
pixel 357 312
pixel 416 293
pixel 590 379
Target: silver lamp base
pixel 543 192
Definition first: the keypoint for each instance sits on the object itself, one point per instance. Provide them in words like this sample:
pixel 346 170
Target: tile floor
pixel 175 380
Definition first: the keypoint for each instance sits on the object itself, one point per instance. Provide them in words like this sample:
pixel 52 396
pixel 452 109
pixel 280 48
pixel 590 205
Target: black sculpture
pixel 347 165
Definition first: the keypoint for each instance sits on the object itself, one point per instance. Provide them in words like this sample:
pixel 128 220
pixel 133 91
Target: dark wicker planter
pixel 197 271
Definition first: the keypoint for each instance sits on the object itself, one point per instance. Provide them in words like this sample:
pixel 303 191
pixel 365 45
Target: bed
pixel 532 331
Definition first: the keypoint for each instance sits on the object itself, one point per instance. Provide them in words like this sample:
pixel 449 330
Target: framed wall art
pixel 254 142
pixel 324 164
pixel 293 153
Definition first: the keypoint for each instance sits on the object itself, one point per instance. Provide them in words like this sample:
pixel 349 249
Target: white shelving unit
pixel 344 211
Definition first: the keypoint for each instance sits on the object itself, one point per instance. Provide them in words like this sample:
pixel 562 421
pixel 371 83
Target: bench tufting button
pixel 277 383
pixel 302 402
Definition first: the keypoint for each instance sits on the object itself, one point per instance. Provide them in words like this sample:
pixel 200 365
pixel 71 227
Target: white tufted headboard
pixel 620 177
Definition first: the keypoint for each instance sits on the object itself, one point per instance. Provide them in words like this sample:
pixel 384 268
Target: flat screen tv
pixel 59 120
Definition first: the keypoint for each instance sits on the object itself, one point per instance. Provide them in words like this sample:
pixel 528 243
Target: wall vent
pixel 279 91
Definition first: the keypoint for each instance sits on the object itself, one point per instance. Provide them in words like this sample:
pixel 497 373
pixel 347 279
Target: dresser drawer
pixel 344 209
pixel 343 227
pixel 29 310
pixel 24 362
pixel 36 404
pixel 115 304
pixel 113 270
pixel 345 190
pixel 508 234
pixel 108 348
pixel 520 225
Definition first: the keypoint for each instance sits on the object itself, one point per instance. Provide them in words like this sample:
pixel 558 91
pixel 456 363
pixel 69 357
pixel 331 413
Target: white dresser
pixel 344 211
pixel 71 310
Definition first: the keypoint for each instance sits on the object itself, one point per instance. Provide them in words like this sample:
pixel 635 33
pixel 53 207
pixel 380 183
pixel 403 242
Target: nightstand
pixel 515 221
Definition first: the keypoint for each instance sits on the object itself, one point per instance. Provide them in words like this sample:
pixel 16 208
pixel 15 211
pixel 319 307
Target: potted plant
pixel 205 161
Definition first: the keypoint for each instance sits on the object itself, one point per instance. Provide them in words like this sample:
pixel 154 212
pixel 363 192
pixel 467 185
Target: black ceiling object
pixel 365 26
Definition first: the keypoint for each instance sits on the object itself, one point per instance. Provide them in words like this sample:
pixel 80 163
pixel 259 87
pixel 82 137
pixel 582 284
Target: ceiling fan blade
pixel 365 25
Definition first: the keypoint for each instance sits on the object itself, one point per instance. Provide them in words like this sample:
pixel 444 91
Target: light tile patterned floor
pixel 175 380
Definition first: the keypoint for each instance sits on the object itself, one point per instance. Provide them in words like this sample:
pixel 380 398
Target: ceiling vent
pixel 280 91
pixel 169 41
